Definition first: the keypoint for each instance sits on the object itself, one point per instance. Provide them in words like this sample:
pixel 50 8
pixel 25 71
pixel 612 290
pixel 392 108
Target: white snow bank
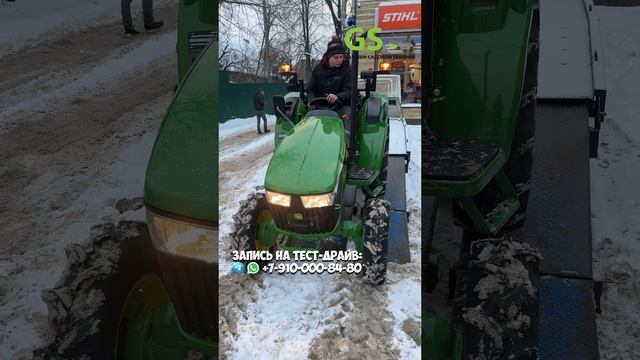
pixel 241 125
pixel 615 190
pixel 404 304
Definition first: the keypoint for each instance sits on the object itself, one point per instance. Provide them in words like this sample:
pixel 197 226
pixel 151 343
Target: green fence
pixel 236 100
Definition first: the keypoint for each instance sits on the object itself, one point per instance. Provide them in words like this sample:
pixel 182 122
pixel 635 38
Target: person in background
pixel 410 92
pixel 149 23
pixel 258 105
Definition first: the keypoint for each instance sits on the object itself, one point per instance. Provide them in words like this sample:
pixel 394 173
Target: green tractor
pixel 150 291
pixel 516 290
pixel 479 156
pixel 314 177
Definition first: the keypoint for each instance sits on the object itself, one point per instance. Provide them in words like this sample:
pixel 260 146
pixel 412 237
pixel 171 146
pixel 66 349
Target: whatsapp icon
pixel 253 268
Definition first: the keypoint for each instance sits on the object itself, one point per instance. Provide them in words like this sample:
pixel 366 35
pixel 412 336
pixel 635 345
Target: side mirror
pixel 279 106
pixel 369 81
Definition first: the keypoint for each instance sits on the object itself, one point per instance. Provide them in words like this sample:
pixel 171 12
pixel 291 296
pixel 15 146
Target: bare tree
pixel 277 30
pixel 334 8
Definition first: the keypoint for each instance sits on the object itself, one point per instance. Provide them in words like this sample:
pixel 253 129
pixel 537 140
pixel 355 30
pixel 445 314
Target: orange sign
pixel 399 17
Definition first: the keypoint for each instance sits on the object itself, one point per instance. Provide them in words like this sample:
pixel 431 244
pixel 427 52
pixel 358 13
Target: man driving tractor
pixel 331 79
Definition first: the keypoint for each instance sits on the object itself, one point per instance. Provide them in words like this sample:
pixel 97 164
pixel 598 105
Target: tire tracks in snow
pixel 50 159
pixel 235 182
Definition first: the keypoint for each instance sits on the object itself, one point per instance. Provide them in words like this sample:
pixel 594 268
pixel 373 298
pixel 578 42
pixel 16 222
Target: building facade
pixel 400 31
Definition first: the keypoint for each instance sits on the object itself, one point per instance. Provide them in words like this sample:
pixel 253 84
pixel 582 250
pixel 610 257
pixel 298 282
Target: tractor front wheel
pixel 253 212
pixel 376 240
pixel 106 284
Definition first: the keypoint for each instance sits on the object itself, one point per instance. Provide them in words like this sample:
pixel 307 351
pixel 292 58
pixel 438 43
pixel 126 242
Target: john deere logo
pixel 359 40
pixel 298 216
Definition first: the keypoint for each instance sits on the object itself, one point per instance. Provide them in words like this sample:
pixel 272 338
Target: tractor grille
pixel 298 219
pixel 193 289
pixel 198 40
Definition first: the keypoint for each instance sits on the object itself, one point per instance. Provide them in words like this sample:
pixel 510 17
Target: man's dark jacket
pixel 325 81
pixel 258 101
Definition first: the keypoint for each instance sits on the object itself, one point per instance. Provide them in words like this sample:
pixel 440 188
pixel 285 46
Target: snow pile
pixel 615 190
pixel 241 125
pixel 241 147
pixel 406 310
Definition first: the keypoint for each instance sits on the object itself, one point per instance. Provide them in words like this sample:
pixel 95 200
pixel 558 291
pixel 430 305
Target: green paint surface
pixel 182 174
pixel 309 160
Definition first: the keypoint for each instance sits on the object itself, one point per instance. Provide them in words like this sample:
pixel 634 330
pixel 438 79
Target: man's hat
pixel 334 47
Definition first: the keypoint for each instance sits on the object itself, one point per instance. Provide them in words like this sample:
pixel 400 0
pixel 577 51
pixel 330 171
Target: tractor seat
pixel 456 160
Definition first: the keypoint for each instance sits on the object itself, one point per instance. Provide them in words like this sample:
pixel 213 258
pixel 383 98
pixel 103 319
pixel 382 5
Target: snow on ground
pixel 295 316
pixel 42 267
pixel 414 190
pixel 615 187
pixel 120 62
pixel 405 307
pixel 76 138
pixel 29 22
pixel 290 312
pixel 241 125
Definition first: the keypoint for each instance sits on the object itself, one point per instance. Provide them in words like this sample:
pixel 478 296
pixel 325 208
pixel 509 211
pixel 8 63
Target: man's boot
pixel 130 32
pixel 153 26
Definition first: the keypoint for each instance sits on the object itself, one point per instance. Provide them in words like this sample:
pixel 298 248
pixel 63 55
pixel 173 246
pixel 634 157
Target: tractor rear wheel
pixel 106 284
pixel 253 211
pixel 376 240
pixel 497 300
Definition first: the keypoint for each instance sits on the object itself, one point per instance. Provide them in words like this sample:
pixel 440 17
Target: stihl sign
pixel 399 17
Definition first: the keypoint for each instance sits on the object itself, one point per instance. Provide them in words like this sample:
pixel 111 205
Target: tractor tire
pixel 498 304
pixel 85 307
pixel 376 240
pixel 244 236
pixel 519 165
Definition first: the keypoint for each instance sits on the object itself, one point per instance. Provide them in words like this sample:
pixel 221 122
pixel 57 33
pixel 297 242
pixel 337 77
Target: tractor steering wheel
pixel 321 103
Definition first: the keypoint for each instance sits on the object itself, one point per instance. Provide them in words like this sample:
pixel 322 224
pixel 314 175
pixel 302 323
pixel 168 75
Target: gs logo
pixel 359 40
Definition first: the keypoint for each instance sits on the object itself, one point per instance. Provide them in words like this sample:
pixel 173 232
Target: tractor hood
pixel 182 174
pixel 309 159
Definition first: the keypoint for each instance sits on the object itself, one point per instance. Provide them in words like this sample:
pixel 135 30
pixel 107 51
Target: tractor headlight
pixel 183 238
pixel 316 201
pixel 278 199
